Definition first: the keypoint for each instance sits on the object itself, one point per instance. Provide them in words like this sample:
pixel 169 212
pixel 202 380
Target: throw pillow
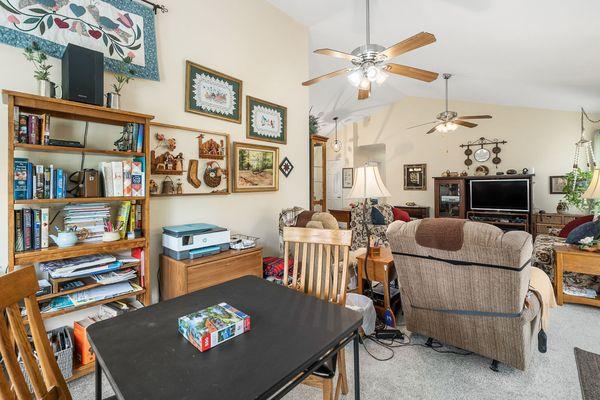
pixel 583 231
pixel 377 217
pixel 564 232
pixel 400 215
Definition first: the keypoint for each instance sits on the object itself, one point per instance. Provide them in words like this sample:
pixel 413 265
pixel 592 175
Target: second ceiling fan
pixel 369 62
pixel 448 121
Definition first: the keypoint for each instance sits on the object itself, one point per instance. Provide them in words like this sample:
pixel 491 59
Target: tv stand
pixel 507 221
pixel 451 200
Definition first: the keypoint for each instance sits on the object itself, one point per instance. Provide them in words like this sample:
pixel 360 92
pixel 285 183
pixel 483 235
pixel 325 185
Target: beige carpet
pixel 419 373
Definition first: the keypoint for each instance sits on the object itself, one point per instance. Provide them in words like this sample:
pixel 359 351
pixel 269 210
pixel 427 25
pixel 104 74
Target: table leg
pixel 98 379
pixel 558 279
pixel 356 367
pixel 359 277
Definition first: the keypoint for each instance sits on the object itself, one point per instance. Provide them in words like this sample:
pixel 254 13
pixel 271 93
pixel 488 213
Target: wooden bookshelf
pixel 29 103
pixel 78 200
pixel 77 150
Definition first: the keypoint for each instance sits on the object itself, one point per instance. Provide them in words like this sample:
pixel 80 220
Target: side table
pixel 380 269
pixel 571 259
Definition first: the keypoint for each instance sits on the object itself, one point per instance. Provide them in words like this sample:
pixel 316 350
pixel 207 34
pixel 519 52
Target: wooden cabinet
pixel 551 223
pixel 450 198
pixel 318 173
pixel 417 212
pixel 185 276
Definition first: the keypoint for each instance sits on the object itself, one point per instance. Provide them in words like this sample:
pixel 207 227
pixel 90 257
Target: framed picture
pixel 213 94
pixel 415 176
pixel 347 178
pixel 255 168
pixel 557 184
pixel 265 121
pixel 286 167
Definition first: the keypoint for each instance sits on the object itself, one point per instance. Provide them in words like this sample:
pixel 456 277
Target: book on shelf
pixel 123 218
pixel 31 229
pixel 32 128
pixel 133 138
pixel 213 325
pixel 38 181
pixel 122 178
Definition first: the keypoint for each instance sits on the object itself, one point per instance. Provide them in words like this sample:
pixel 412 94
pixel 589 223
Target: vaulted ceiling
pixel 534 53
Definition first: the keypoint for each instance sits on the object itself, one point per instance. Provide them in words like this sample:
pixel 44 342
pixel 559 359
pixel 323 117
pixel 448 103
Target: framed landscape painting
pixel 255 168
pixel 213 94
pixel 265 121
pixel 415 177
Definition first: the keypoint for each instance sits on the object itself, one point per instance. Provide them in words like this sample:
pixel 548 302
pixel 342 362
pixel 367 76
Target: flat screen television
pixel 500 195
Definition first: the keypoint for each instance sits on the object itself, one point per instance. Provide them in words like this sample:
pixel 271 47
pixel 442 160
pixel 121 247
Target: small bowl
pixel 111 236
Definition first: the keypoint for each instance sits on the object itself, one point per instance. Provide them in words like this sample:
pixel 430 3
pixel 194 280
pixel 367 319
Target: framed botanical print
pixel 557 184
pixel 415 176
pixel 265 121
pixel 213 94
pixel 347 178
pixel 255 168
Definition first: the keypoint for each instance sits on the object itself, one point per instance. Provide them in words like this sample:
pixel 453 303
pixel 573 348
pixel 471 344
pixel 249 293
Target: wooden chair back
pixel 320 262
pixel 46 379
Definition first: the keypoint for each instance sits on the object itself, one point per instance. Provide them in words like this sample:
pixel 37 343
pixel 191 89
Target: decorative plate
pixel 468 152
pixel 468 162
pixel 482 155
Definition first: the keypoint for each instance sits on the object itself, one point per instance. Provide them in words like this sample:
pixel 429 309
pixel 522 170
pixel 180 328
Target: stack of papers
pixel 90 295
pixel 89 216
pixel 81 266
pixel 115 276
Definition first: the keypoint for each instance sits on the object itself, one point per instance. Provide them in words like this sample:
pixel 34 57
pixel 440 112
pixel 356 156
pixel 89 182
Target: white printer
pixel 194 240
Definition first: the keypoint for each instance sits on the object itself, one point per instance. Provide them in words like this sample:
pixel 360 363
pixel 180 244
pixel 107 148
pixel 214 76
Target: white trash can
pixel 363 305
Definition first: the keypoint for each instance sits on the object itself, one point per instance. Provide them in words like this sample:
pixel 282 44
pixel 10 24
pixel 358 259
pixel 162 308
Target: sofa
pixel 359 234
pixel 474 297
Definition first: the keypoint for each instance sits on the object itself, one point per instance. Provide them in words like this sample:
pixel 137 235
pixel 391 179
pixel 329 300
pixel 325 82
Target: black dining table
pixel 144 356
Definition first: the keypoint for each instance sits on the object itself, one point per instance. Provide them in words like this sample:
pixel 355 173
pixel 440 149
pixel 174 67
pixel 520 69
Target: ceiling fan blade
pixel 427 123
pixel 410 72
pixel 464 123
pixel 413 42
pixel 335 53
pixel 433 129
pixel 476 117
pixel 326 76
pixel 364 94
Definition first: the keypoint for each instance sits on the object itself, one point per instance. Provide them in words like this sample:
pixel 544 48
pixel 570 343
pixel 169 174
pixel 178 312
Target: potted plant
pixel 123 77
pixel 577 183
pixel 41 67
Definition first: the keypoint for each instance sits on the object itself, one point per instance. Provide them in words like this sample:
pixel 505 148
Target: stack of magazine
pixel 90 295
pixel 81 266
pixel 89 216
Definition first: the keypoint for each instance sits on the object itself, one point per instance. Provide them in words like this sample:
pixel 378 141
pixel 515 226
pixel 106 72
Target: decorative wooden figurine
pixel 210 149
pixel 153 187
pixel 179 188
pixel 166 163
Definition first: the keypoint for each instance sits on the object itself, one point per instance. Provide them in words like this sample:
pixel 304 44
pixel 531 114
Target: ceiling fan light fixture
pixel 372 72
pixel 364 83
pixel 381 77
pixel 355 77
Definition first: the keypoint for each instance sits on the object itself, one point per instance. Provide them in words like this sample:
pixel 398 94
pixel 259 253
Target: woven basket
pixel 211 177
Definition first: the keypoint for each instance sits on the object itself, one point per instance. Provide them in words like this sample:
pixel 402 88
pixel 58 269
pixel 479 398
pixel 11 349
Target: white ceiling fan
pixel 449 121
pixel 370 61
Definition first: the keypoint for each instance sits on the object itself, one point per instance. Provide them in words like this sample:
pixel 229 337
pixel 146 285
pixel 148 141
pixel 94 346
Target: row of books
pixel 38 181
pixel 123 178
pixel 31 229
pixel 32 128
pixel 133 138
pixel 129 220
pixel 91 216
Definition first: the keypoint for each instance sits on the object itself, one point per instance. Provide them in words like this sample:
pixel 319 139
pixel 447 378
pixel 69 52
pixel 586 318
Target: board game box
pixel 213 325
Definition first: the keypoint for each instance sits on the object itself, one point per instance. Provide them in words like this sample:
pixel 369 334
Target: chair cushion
pixel 400 215
pixel 582 231
pixel 377 217
pixel 564 232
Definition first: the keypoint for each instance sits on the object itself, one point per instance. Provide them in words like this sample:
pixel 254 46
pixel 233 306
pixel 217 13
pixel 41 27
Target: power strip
pixel 389 334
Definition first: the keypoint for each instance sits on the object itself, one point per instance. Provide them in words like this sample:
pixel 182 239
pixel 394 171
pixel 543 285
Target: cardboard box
pixel 83 351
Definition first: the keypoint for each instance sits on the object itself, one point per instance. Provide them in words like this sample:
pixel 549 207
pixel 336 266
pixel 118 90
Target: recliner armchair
pixel 475 298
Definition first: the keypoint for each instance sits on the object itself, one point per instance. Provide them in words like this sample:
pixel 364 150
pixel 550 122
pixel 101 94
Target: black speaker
pixel 83 75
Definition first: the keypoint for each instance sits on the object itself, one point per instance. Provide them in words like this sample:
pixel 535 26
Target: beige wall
pixel 250 40
pixel 537 139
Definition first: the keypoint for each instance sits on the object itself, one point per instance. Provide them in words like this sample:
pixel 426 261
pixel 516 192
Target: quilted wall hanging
pixel 118 28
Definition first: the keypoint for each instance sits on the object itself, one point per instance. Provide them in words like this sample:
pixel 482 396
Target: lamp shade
pixel 368 183
pixel 593 190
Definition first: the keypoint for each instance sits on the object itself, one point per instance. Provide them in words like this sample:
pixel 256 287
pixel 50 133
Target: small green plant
pixel 313 124
pixel 577 183
pixel 39 60
pixel 124 76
